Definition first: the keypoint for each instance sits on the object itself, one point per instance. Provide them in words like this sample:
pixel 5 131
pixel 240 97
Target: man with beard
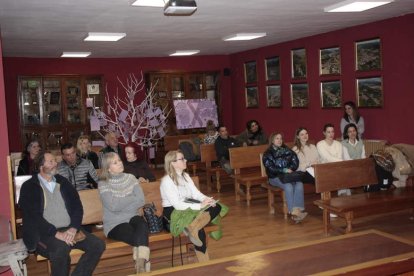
pixel 52 217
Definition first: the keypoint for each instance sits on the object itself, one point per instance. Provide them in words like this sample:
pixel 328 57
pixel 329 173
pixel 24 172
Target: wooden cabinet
pixel 172 86
pixel 53 108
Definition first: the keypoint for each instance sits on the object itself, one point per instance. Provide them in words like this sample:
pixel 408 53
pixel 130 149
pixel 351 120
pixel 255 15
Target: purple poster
pixel 195 113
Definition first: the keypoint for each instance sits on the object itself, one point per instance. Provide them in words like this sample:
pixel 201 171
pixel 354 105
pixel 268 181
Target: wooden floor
pixel 248 229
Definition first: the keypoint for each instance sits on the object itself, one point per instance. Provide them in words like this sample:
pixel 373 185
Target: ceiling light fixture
pixel 180 7
pixel 356 5
pixel 104 36
pixel 75 54
pixel 243 36
pixel 149 3
pixel 185 52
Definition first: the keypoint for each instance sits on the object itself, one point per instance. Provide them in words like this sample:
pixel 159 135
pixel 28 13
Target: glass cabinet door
pixel 30 89
pixel 195 82
pixel 73 101
pixel 52 108
pixel 177 87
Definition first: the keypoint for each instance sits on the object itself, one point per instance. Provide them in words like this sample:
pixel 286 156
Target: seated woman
pixel 26 165
pixel 330 150
pixel 253 135
pixel 211 133
pixel 178 192
pixel 351 115
pixel 353 147
pixel 137 166
pixel 121 197
pixel 306 152
pixel 279 161
pixel 83 147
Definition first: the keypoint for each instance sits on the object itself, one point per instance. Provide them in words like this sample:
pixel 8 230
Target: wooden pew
pixel 245 161
pixel 331 177
pixel 193 165
pixel 208 156
pixel 93 213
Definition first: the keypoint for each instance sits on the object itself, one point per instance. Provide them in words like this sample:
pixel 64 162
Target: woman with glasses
pixel 178 192
pixel 253 135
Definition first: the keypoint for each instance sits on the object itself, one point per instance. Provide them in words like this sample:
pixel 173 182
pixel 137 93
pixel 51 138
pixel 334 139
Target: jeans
pixel 57 252
pixel 134 233
pixel 225 165
pixel 293 193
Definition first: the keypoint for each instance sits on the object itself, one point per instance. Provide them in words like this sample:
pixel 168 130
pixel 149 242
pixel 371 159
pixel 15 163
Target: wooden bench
pixel 245 161
pixel 193 165
pixel 93 213
pixel 208 156
pixel 331 177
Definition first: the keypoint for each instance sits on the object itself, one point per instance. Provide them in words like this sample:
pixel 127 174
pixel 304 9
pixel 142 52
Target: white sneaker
pixel 333 215
pixel 344 192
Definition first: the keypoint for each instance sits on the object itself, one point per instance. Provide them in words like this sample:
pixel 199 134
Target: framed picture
pixel 273 96
pixel 330 61
pixel 250 72
pixel 92 88
pixel 331 94
pixel 369 92
pixel 272 66
pixel 368 55
pixel 54 97
pixel 299 95
pixel 252 97
pixel 298 63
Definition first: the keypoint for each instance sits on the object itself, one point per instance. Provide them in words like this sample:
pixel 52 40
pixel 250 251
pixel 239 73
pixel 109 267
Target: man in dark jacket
pixel 222 145
pixel 52 217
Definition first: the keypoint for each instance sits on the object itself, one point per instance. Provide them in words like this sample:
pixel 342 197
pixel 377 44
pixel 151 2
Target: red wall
pixel 392 122
pixel 110 69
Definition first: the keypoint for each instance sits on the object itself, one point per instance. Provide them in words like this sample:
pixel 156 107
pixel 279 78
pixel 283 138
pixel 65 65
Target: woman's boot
pixel 202 257
pixel 142 263
pixel 198 223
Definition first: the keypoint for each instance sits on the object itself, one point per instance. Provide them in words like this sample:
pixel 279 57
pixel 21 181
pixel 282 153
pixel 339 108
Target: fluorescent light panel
pixel 185 52
pixel 75 54
pixel 356 6
pixel 104 36
pixel 149 3
pixel 244 36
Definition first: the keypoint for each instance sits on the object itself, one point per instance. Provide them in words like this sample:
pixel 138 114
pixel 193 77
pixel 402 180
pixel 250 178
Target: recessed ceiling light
pixel 185 53
pixel 75 54
pixel 149 3
pixel 244 36
pixel 104 36
pixel 356 5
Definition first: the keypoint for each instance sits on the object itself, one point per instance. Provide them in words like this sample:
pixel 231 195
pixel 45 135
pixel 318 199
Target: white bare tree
pixel 143 123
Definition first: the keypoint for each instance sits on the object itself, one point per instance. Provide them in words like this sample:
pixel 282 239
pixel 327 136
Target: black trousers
pixel 134 233
pixel 214 212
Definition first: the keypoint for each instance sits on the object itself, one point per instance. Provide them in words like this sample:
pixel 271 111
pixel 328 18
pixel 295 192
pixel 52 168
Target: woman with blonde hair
pixel 121 197
pixel 178 192
pixel 306 152
pixel 83 147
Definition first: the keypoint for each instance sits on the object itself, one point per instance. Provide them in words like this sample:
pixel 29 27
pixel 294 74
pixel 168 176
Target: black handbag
pixel 154 222
pixel 296 176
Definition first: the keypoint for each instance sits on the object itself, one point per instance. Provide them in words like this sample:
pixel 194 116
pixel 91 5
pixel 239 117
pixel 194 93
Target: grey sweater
pixel 121 197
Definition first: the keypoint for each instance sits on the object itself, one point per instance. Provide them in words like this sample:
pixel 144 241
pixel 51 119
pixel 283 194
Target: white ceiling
pixel 46 28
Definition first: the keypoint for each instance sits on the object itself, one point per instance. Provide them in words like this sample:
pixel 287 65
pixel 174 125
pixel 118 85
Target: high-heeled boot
pixel 198 223
pixel 202 257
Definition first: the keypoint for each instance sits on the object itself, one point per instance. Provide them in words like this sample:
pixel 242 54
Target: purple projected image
pixel 194 113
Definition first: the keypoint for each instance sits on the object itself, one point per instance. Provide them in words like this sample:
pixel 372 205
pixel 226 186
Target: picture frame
pixel 330 61
pixel 250 72
pixel 272 68
pixel 54 97
pixel 298 57
pixel 370 92
pixel 273 96
pixel 368 55
pixel 92 89
pixel 299 94
pixel 252 97
pixel 331 94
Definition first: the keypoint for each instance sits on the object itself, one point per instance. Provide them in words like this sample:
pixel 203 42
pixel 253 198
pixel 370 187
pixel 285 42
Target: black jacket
pixel 277 159
pixel 222 147
pixel 139 168
pixel 32 202
pixel 26 166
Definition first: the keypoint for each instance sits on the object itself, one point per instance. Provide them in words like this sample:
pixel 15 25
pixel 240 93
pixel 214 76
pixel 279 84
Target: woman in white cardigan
pixel 306 152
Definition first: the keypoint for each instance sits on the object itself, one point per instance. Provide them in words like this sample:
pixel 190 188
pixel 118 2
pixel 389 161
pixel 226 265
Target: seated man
pixel 112 145
pixel 80 172
pixel 222 145
pixel 52 229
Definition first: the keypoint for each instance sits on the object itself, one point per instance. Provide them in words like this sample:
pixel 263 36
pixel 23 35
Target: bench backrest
pixel 246 157
pixel 372 146
pixel 344 174
pixel 172 142
pixel 208 153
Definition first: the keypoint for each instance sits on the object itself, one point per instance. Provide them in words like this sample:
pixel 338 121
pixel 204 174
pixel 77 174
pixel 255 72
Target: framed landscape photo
pixel 272 66
pixel 298 63
pixel 368 55
pixel 252 97
pixel 273 96
pixel 331 94
pixel 299 95
pixel 369 92
pixel 250 72
pixel 330 61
